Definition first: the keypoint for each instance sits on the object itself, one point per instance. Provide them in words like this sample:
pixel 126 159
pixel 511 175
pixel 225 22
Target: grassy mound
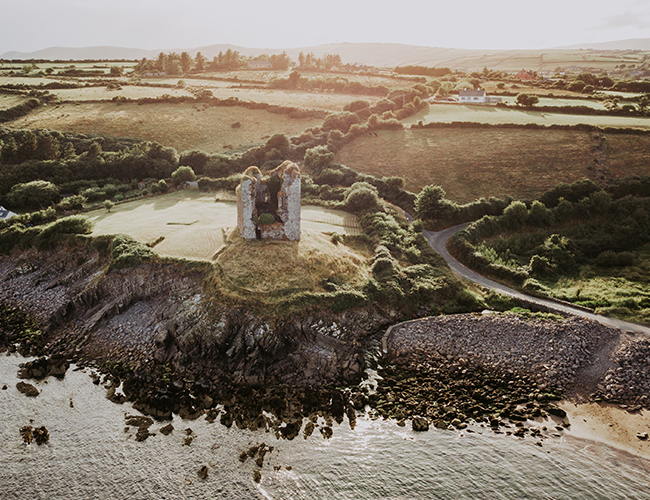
pixel 270 271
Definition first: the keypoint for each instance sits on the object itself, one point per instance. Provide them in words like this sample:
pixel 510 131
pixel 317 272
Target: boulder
pixel 420 424
pixel 27 389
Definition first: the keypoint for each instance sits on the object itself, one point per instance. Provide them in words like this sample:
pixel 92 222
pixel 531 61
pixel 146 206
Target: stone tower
pixel 269 207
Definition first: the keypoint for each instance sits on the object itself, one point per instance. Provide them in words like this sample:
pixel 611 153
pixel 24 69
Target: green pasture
pixel 194 225
pixel 184 126
pixel 448 113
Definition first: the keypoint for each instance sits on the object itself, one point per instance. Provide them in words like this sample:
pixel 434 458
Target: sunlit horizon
pixel 285 24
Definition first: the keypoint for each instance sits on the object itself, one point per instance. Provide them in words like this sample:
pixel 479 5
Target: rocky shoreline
pixel 163 345
pixel 502 369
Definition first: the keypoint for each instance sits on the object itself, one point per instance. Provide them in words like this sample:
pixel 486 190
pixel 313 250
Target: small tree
pixel 116 71
pixel 183 174
pixel 527 99
pixel 108 204
pixel 430 203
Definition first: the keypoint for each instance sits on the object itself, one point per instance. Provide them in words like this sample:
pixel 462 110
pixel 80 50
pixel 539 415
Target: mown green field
pixel 473 163
pixel 448 113
pixel 183 126
pixel 11 100
pixel 558 101
pixel 127 91
pixel 194 226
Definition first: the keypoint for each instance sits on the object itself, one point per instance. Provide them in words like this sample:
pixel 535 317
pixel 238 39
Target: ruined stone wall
pixel 289 202
pixel 253 199
pixel 246 212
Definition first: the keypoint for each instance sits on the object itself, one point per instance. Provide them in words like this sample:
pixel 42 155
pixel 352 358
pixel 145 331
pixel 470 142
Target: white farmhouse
pixel 5 214
pixel 476 96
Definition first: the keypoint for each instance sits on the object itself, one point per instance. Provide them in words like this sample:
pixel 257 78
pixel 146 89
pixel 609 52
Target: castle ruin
pixel 269 207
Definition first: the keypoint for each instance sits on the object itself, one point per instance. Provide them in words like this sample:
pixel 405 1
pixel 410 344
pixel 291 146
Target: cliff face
pixel 160 313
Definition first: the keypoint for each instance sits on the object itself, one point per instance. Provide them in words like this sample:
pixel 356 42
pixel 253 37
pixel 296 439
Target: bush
pixel 515 215
pixel 33 194
pixel 430 204
pixel 362 197
pixel 527 99
pixel 610 258
pixel 265 219
pixel 57 230
pixel 75 202
pixel 125 251
pixel 539 265
pixel 183 174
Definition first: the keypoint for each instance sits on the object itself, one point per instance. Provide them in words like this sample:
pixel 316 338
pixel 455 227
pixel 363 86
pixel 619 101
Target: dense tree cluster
pixel 572 225
pixel 311 62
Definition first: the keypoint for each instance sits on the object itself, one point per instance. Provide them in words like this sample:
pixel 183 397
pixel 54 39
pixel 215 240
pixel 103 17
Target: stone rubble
pixel 550 352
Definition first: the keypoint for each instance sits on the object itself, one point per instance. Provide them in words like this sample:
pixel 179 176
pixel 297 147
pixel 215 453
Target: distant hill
pixel 386 55
pixel 629 44
pixel 80 53
pixel 376 54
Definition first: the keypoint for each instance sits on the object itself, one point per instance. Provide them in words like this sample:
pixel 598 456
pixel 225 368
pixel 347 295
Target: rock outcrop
pixel 159 314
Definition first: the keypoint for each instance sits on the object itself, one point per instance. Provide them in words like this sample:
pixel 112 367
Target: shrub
pixel 265 219
pixel 515 215
pixel 75 202
pixel 533 286
pixel 527 99
pixel 610 258
pixel 431 204
pixel 361 197
pixel 33 194
pixel 196 160
pixel 125 251
pixel 183 174
pixel 57 230
pixel 540 265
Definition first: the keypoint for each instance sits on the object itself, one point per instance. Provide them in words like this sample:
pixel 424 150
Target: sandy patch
pixel 609 424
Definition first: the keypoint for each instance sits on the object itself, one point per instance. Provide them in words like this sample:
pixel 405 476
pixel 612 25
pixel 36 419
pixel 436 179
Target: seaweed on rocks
pixel 450 394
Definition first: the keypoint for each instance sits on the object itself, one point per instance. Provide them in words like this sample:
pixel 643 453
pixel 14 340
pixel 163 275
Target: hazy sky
pixel 27 25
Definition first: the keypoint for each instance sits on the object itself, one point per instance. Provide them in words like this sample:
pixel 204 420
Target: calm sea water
pixel 90 456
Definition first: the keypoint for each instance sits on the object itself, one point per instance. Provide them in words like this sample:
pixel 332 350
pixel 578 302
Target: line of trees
pixel 176 64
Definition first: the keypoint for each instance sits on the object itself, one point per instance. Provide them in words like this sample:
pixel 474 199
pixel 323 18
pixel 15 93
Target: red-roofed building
pixel 526 74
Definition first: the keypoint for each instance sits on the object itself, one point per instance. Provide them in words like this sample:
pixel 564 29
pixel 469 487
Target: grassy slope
pixel 182 126
pixel 622 288
pixel 273 270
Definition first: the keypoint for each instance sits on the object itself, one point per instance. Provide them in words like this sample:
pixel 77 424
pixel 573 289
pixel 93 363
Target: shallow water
pixel 90 455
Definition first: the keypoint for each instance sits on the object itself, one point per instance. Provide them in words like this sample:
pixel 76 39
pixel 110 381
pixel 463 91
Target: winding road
pixel 438 241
